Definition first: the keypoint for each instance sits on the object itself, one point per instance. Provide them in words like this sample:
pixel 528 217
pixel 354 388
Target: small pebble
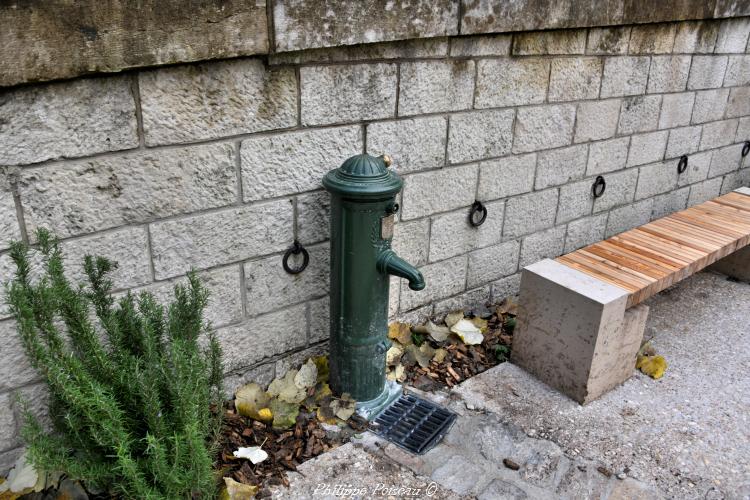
pixel 621 475
pixel 470 406
pixel 511 464
pixel 603 470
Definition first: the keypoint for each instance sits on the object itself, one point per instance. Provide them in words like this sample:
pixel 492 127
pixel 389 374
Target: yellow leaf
pixel 480 323
pixel 237 491
pixel 400 332
pixel 321 363
pixel 249 399
pixel 265 414
pixel 653 366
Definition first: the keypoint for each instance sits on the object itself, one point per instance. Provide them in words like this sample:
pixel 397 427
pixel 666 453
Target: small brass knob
pixel 387 160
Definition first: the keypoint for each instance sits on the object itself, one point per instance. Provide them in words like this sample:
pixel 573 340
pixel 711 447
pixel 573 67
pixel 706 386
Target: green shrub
pixel 130 393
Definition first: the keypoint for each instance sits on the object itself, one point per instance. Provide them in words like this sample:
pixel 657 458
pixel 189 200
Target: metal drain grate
pixel 413 423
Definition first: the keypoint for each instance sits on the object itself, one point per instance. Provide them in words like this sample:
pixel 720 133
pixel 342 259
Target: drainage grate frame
pixel 413 423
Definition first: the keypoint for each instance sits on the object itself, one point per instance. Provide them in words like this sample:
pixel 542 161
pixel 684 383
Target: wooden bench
pixel 581 320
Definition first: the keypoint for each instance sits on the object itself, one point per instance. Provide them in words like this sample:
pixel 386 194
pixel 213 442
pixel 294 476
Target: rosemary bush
pixel 130 393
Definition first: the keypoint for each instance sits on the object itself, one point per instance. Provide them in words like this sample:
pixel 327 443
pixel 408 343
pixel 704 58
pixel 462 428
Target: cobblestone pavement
pixel 684 436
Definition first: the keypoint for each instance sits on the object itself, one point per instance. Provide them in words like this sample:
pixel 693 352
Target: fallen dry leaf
pixel 250 400
pixel 467 332
pixel 453 318
pixel 237 491
pixel 285 389
pixel 253 453
pixel 400 332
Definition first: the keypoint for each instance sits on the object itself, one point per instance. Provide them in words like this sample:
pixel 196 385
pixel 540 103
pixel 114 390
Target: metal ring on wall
pixel 746 149
pixel 477 208
pixel 597 189
pixel 683 164
pixel 295 249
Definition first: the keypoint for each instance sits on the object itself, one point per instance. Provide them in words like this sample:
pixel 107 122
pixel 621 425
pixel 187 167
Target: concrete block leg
pixel 574 332
pixel 736 265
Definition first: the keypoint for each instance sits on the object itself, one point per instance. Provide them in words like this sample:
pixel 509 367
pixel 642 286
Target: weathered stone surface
pixel 9 229
pixel 697 169
pixel 231 235
pixel 583 232
pixel 704 191
pixel 725 160
pixel 446 278
pixel 743 131
pixel 542 245
pixel 128 247
pixel 733 35
pixel 738 71
pixel 695 37
pixel 313 214
pixel 530 212
pixel 597 120
pixel 630 216
pixel 543 127
pixel 739 102
pixel 492 263
pixel 560 166
pixel 303 25
pixel 506 287
pixel 261 375
pixel 506 176
pixel 647 148
pixel 467 301
pixel 404 49
pixel 734 180
pixel 511 82
pixel 219 99
pixel 683 141
pixel 451 234
pixel 68 119
pixel 576 201
pixel 111 191
pixel 655 179
pixel 269 287
pixel 410 241
pixel 639 114
pixel 624 76
pixel 438 191
pixel 709 105
pixel 224 299
pixel 483 45
pixel 671 202
pixel 413 145
pixel 549 42
pixel 668 73
pixel 320 325
pixel 574 79
pixel 717 134
pixel 8 432
pixel 47 41
pixel 292 162
pixel 335 94
pixel 263 336
pixel 652 39
pixel 480 134
pixel 707 72
pixel 608 41
pixel 433 86
pixel 620 190
pixel 607 156
pixel 15 369
pixel 676 109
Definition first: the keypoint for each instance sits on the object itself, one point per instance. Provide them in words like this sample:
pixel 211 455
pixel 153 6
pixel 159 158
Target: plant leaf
pixel 467 332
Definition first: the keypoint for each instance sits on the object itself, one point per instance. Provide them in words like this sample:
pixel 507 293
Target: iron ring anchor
pixel 477 208
pixel 295 249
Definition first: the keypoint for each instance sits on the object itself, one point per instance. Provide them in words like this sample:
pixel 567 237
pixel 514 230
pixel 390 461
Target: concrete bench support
pixel 574 332
pixel 736 265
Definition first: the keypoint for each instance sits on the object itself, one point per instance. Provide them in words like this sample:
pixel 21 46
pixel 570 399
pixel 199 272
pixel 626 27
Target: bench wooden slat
pixel 650 258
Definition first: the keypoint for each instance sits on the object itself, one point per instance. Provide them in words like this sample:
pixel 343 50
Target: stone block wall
pixel 217 166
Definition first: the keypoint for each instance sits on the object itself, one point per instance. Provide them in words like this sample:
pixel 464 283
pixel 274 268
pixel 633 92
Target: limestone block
pixel 68 119
pixel 695 37
pixel 369 92
pixel 483 45
pixel 444 278
pixel 15 370
pixel 104 192
pixel 8 431
pixel 543 127
pixel 511 82
pixel 438 191
pixel 647 148
pixel 620 190
pixel 402 49
pixel 576 201
pixel 607 156
pixel 738 71
pixel 542 245
pixel 718 134
pixel 293 162
pixel 451 233
pixel 480 134
pixel 625 218
pixel 736 265
pixel 313 216
pixel 560 166
pixel 733 35
pixel 467 301
pixel 492 263
pixel 550 42
pixel 573 79
pixel 506 287
pixel 216 238
pixel 9 228
pixel 652 38
pixel 697 170
pixel 668 74
pixel 704 191
pixel 743 131
pixel 584 232
pixel 597 120
pixel 670 202
pixel 707 72
pixel 320 312
pixel 411 240
pixel 269 287
pixel 413 145
pixel 530 213
pixel 506 176
pixel 639 114
pixel 564 317
pixel 739 102
pixel 709 105
pixel 656 178
pixel 732 181
pixel 725 160
pixel 217 99
pixel 624 76
pixel 683 141
pixel 433 86
pixel 609 40
pixel 676 110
